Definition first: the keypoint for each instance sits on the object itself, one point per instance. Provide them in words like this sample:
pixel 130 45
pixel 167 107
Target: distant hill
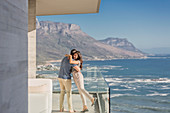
pixel 54 40
pixel 122 43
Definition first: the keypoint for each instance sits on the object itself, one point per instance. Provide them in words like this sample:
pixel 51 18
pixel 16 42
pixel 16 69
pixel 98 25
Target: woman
pixel 79 79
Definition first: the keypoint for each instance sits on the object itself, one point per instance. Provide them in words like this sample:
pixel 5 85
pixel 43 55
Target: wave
pixel 122 111
pixel 130 80
pixel 160 101
pixel 86 64
pixel 91 79
pixel 112 84
pixel 138 108
pixel 158 94
pixel 159 109
pixel 109 67
pixel 123 89
pixel 119 95
pixel 165 87
pixel 103 71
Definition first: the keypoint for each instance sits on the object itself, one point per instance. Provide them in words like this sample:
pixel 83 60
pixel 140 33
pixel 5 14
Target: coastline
pixel 98 59
pixel 49 62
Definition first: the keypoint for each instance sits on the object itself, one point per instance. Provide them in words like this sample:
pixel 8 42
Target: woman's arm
pixel 70 59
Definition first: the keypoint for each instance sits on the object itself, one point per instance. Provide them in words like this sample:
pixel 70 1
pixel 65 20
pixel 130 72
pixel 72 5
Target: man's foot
pixel 72 111
pixel 62 110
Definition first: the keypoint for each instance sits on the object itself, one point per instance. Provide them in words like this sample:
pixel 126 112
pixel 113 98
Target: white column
pixel 32 38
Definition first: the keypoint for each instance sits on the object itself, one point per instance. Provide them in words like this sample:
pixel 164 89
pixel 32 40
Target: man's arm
pixel 77 68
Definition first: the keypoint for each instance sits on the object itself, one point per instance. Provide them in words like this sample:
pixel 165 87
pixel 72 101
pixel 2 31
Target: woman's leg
pixel 80 84
pixel 83 90
pixel 76 80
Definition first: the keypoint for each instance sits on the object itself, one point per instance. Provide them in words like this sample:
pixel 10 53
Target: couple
pixel 72 64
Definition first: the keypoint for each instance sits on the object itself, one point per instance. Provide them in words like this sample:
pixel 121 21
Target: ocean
pixel 136 85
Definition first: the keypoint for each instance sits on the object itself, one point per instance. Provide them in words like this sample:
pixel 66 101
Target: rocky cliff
pixel 55 39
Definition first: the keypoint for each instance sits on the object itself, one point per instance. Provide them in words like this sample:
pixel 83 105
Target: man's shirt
pixel 65 69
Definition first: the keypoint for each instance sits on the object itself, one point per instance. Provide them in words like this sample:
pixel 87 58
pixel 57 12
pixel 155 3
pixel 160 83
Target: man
pixel 65 81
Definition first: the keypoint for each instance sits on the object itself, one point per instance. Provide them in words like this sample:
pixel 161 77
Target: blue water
pixel 137 85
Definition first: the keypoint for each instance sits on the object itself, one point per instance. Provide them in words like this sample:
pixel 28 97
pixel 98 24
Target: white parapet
pixel 39 95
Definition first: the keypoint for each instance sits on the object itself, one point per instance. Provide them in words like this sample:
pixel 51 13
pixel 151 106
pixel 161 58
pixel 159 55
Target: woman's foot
pixel 85 109
pixel 93 100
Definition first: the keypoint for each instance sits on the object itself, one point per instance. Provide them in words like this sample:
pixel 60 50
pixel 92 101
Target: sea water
pixel 137 85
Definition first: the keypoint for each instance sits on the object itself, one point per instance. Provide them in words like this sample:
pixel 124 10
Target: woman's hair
pixel 80 59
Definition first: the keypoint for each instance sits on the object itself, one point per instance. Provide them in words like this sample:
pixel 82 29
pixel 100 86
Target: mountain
pixel 122 43
pixel 55 39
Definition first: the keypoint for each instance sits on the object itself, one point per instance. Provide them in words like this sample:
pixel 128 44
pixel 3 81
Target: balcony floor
pixel 77 104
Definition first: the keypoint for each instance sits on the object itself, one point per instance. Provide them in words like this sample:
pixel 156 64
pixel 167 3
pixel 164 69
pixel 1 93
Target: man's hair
pixel 73 51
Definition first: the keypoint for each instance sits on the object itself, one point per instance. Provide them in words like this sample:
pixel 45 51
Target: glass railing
pixel 94 83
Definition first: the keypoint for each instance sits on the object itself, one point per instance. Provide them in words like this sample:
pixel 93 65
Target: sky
pixel 145 23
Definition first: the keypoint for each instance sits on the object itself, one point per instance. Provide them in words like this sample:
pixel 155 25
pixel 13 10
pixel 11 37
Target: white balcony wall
pixel 40 95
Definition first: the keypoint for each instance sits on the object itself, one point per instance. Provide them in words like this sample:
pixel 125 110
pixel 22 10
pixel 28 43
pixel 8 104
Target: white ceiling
pixel 60 7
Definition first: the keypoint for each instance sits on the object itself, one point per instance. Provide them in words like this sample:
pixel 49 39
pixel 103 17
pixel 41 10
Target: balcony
pixel 94 84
